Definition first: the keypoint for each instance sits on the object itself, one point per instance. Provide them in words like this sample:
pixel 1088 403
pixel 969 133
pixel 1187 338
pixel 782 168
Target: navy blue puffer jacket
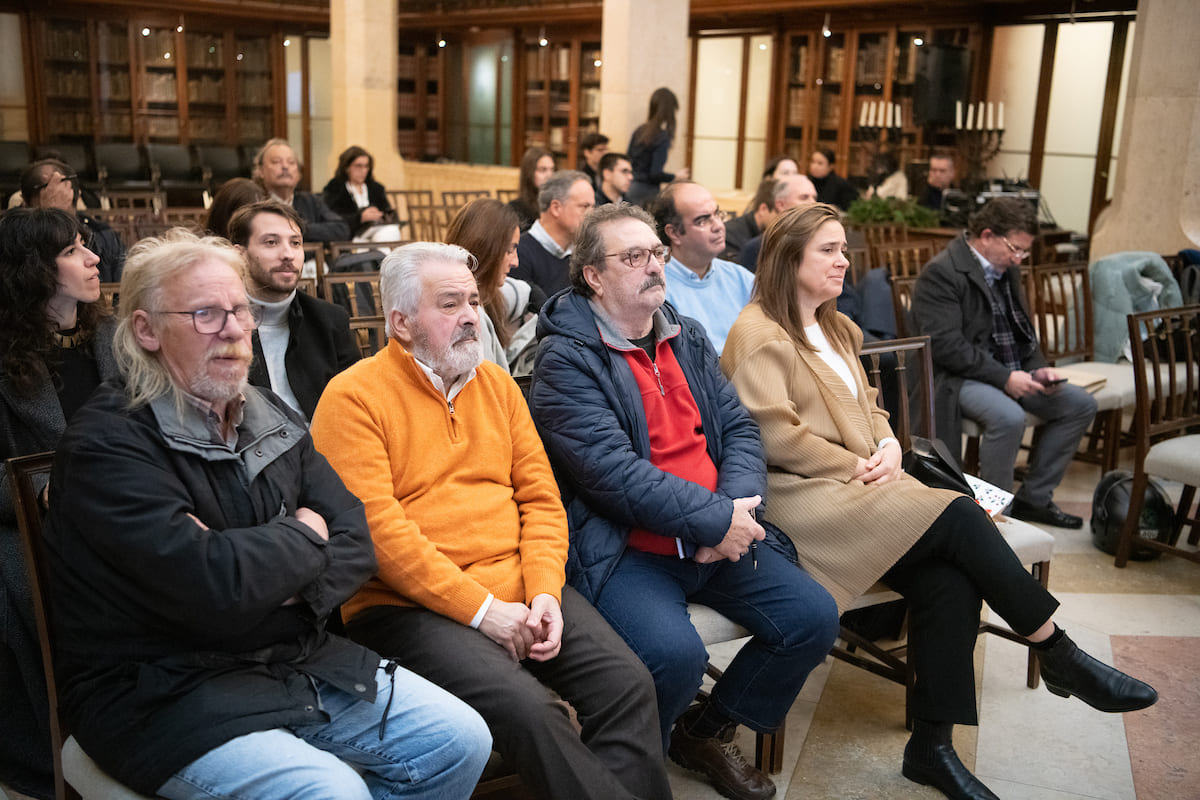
pixel 589 412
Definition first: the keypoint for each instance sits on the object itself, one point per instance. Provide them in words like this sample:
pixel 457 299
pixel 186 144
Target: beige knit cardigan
pixel 814 430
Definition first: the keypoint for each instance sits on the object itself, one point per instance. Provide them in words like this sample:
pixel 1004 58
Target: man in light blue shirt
pixel 699 284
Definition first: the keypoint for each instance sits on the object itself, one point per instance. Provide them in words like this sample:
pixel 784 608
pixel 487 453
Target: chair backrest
pixel 358 293
pixel 1060 299
pixel 902 294
pixel 315 251
pixel 902 258
pixel 1166 373
pixel 14 158
pixel 429 223
pixel 24 473
pixel 147 199
pixel 876 233
pixel 172 162
pixel 860 262
pixel 401 199
pixel 127 222
pixel 507 195
pixel 219 163
pixel 121 162
pixel 458 199
pixel 914 376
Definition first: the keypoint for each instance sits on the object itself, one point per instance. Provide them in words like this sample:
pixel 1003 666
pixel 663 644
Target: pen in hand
pixel 754 554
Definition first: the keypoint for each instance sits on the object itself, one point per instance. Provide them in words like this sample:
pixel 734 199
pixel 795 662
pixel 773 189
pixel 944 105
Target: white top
pixel 360 195
pixel 816 337
pixel 273 335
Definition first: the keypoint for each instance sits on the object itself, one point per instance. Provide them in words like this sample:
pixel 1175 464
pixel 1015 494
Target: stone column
pixel 645 47
pixel 363 44
pixel 1156 200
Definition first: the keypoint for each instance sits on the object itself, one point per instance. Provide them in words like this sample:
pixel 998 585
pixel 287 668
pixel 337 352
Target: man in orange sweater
pixel 471 541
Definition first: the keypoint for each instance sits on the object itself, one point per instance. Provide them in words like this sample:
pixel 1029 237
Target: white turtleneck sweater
pixel 273 334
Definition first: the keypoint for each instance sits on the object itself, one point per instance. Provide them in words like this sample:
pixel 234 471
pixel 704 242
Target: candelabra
pixel 977 149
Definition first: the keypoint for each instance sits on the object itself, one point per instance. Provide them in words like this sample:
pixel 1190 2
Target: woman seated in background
pixel 836 487
pixel 233 194
pixel 831 187
pixel 355 196
pixel 489 230
pixel 537 165
pixel 887 180
pixel 781 167
pixel 57 348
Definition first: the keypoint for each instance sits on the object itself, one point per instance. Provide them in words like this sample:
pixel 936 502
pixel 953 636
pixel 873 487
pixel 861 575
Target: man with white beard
pixel 471 540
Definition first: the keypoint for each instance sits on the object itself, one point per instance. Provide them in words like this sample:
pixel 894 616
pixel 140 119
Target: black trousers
pixel 618 752
pixel 960 561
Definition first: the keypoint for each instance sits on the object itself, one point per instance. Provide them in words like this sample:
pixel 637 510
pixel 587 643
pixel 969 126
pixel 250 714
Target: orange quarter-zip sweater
pixel 460 497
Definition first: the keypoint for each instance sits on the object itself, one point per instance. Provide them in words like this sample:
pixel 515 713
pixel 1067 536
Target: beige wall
pixel 14 123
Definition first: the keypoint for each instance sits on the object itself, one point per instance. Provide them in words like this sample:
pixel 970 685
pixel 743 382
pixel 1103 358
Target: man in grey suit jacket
pixel 988 365
pixel 278 170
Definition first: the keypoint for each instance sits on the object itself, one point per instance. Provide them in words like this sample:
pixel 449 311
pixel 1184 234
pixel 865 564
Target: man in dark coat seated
pixel 197 544
pixel 301 341
pixel 50 183
pixel 661 471
pixel 278 170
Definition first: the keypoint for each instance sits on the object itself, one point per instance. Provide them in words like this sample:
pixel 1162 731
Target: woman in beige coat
pixel 835 485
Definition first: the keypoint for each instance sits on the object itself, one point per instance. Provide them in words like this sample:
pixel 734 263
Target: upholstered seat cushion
pixel 971 428
pixel 88 779
pixel 713 627
pixel 1031 544
pixel 1176 460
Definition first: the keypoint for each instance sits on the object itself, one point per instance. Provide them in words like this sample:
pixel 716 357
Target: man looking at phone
pixel 988 365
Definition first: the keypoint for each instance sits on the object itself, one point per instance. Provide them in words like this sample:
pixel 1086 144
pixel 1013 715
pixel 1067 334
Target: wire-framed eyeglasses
pixel 639 257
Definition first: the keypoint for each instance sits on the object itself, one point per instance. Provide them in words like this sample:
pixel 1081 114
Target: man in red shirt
pixel 661 472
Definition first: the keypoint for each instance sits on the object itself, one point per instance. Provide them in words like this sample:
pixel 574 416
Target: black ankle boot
pixel 930 760
pixel 1067 671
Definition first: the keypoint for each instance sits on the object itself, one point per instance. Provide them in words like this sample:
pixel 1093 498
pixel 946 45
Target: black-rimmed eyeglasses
pixel 212 319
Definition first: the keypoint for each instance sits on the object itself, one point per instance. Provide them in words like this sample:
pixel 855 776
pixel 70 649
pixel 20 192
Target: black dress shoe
pixel 1048 514
pixel 1067 670
pixel 718 759
pixel 937 765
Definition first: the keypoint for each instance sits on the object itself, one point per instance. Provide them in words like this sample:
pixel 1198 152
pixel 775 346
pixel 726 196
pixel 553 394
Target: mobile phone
pixel 1055 382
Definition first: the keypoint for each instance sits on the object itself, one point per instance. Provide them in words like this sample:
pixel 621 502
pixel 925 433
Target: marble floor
pixel 845 733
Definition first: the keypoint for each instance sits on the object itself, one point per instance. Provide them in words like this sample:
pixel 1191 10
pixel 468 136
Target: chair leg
pixel 971 456
pixel 768 747
pixel 1181 517
pixel 1110 449
pixel 1033 672
pixel 1129 531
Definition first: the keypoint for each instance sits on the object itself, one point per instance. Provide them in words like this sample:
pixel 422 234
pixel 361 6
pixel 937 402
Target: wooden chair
pixel 1061 302
pixel 358 293
pixel 152 200
pixel 507 195
pixel 429 223
pixel 125 221
pixel 110 294
pixel 75 775
pixel 459 198
pixel 372 254
pixel 308 286
pixel 902 258
pixel 902 294
pixel 878 234
pixel 1166 373
pixel 860 262
pixel 401 199
pixel 1032 545
pixel 315 252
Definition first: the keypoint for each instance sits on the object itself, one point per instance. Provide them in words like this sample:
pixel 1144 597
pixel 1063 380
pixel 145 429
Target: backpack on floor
pixel 1110 507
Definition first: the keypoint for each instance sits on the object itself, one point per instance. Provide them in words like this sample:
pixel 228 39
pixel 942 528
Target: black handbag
pixel 930 462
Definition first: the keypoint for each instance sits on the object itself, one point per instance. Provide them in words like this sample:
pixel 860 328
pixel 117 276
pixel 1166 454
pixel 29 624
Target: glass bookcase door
pixel 255 96
pixel 870 98
pixel 590 66
pixel 206 87
pixel 114 112
pixel 67 79
pixel 159 110
pixel 829 82
pixel 797 121
pixel 907 147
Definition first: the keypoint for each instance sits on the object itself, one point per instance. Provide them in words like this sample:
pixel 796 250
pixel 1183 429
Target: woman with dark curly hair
pixel 355 196
pixel 57 348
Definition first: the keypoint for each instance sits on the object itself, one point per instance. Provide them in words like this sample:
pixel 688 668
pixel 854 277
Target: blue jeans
pixel 793 619
pixel 435 747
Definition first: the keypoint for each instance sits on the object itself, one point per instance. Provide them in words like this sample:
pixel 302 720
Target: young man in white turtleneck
pixel 302 341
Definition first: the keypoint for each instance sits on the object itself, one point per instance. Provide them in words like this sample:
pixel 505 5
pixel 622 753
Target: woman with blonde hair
pixel 835 485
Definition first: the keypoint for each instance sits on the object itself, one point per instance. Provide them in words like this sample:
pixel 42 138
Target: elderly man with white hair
pixel 471 539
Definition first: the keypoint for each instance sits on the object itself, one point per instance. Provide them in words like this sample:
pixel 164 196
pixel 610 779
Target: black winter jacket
pixel 173 637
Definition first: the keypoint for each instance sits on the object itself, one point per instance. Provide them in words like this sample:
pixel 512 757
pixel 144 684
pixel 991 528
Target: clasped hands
pixel 533 631
pixel 882 467
pixel 744 531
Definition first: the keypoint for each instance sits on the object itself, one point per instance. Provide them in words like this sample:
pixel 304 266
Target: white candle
pixel 899 123
pixel 862 116
pixel 889 115
pixel 1000 119
pixel 970 115
pixel 958 114
pixel 979 117
pixel 870 114
pixel 991 124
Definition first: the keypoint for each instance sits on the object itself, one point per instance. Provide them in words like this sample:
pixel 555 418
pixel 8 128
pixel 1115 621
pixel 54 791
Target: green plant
pixel 889 209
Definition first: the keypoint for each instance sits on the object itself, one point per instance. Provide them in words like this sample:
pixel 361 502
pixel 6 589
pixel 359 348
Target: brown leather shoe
pixel 719 760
